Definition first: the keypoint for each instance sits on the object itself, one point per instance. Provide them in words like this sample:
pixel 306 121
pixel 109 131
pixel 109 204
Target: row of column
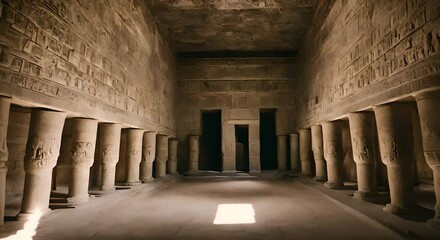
pixel 42 150
pixel 394 133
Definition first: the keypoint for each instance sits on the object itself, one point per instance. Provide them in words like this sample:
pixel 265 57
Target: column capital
pixel 433 93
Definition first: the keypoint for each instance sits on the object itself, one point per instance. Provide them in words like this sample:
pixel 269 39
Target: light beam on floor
pixel 29 228
pixel 237 213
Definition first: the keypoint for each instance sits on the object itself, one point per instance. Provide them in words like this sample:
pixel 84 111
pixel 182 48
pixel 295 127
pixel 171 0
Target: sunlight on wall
pixel 29 228
pixel 238 213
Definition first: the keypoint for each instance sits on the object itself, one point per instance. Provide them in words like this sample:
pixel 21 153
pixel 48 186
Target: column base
pixel 32 216
pixel 365 195
pixel 107 190
pixel 334 185
pixel 399 210
pixel 434 223
pixel 320 178
pixel 78 200
pixel 229 172
pixel 132 183
pixel 147 180
pixel 254 171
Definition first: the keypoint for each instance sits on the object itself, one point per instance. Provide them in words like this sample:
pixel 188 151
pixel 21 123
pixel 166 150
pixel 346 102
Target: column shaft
pixel 363 141
pixel 318 153
pixel 42 151
pixel 134 156
pixel 193 154
pixel 395 142
pixel 294 153
pixel 160 164
pixel 110 138
pixel 172 156
pixel 148 156
pixel 305 152
pixel 83 152
pixel 4 121
pixel 428 104
pixel 282 152
pixel 332 141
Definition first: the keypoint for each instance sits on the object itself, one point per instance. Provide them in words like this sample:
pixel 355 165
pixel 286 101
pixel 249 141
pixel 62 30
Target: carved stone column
pixel 332 141
pixel 83 153
pixel 172 156
pixel 148 156
pixel 282 152
pixel 134 156
pixel 110 138
pixel 362 141
pixel 160 164
pixel 193 154
pixel 305 149
pixel 42 150
pixel 4 121
pixel 428 104
pixel 294 152
pixel 318 153
pixel 395 142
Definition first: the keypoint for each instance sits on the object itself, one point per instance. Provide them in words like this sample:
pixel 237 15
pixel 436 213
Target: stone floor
pixel 284 209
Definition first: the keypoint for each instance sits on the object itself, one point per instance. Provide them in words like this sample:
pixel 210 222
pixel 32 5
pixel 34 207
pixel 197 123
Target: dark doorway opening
pixel 211 141
pixel 242 148
pixel 268 140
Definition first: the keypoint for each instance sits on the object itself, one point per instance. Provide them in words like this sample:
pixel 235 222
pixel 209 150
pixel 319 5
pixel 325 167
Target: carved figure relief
pixel 148 154
pixel 109 154
pixel 43 152
pixel 389 149
pixel 330 151
pixel 82 152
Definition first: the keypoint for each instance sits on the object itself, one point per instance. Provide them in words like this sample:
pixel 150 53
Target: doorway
pixel 242 148
pixel 211 141
pixel 268 140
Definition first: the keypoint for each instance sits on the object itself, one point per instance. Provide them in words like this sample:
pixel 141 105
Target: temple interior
pixel 219 119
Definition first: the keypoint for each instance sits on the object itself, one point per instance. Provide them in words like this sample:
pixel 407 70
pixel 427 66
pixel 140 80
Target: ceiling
pixel 233 25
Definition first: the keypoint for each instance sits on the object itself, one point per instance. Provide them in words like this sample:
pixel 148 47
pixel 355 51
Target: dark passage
pixel 242 148
pixel 268 140
pixel 210 141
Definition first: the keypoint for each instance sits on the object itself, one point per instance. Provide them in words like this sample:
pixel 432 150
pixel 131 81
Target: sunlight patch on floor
pixel 237 213
pixel 29 228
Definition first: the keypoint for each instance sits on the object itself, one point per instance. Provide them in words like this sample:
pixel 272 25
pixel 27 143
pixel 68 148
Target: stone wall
pixel 359 53
pixel 100 59
pixel 240 88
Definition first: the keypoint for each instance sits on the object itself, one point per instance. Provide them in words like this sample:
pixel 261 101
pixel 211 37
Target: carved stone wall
pixel 364 52
pixel 101 59
pixel 238 87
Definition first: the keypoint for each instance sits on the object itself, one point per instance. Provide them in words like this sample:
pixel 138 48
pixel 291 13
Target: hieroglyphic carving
pixel 389 149
pixel 109 154
pixel 331 151
pixel 83 153
pixel 42 152
pixel 361 149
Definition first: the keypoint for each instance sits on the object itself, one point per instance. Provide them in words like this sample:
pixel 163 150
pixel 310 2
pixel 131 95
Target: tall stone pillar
pixel 282 152
pixel 318 153
pixel 4 121
pixel 395 142
pixel 428 104
pixel 193 154
pixel 42 150
pixel 305 149
pixel 172 156
pixel 148 156
pixel 134 156
pixel 110 138
pixel 332 141
pixel 83 152
pixel 160 164
pixel 294 152
pixel 362 141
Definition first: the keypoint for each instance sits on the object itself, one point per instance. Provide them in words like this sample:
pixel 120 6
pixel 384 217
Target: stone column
pixel 305 148
pixel 134 156
pixel 160 164
pixel 332 141
pixel 172 156
pixel 282 152
pixel 148 156
pixel 362 141
pixel 193 154
pixel 4 121
pixel 318 153
pixel 110 138
pixel 83 153
pixel 428 104
pixel 42 150
pixel 294 152
pixel 395 142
